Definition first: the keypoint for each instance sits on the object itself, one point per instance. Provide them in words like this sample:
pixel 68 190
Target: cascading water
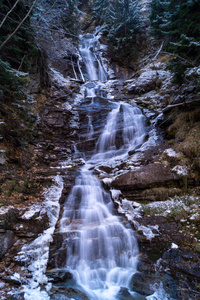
pixel 101 251
pixel 88 46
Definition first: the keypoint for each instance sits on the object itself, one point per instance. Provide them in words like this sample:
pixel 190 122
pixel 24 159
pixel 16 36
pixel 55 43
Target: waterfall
pixel 95 70
pixel 101 252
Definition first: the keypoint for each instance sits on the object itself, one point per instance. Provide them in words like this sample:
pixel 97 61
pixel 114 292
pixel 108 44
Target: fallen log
pixel 170 107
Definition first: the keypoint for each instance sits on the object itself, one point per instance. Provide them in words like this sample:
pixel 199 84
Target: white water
pixel 123 131
pixel 88 49
pixel 101 251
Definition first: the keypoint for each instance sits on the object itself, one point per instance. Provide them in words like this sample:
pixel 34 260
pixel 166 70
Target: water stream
pixel 101 251
pixel 101 248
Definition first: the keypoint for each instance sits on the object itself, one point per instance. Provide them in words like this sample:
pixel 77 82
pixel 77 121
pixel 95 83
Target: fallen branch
pixel 74 68
pixel 159 50
pixel 83 79
pixel 170 107
pixel 178 56
pixel 76 80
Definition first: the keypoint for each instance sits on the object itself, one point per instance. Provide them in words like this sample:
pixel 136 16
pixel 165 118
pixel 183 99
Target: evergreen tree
pixel 178 21
pixel 19 49
pixel 122 25
pixel 99 11
pixel 71 17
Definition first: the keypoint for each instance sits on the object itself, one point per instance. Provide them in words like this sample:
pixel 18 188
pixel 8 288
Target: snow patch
pixel 107 180
pixel 34 210
pixel 174 246
pixel 132 210
pixel 2 284
pixel 147 230
pixel 58 78
pixel 36 253
pixel 115 194
pixel 4 210
pixel 171 153
pixel 180 170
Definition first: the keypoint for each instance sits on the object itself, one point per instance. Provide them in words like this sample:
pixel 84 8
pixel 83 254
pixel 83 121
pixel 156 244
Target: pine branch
pixel 8 13
pixel 20 24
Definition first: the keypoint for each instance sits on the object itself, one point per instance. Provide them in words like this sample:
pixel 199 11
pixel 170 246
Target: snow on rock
pixel 58 78
pixel 107 181
pixel 147 230
pixel 174 246
pixel 132 210
pixel 32 211
pixel 5 209
pixel 115 193
pixel 159 293
pixel 37 252
pixel 153 88
pixel 180 170
pixel 174 205
pixel 171 153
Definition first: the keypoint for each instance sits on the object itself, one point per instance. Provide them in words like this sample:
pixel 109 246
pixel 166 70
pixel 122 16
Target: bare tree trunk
pixel 8 13
pixel 12 34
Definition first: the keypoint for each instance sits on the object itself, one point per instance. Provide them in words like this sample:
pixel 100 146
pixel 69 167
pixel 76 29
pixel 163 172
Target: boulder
pixel 149 176
pixel 142 283
pixel 148 80
pixel 59 275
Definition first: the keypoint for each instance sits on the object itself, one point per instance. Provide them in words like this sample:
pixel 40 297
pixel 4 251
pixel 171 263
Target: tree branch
pixel 12 34
pixel 8 13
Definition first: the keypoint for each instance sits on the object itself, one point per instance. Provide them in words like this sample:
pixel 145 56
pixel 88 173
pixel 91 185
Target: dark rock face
pixel 185 268
pixel 182 262
pixel 66 293
pixel 153 175
pixel 7 240
pixel 20 296
pixel 141 283
pixel 153 182
pixel 57 254
pixel 59 275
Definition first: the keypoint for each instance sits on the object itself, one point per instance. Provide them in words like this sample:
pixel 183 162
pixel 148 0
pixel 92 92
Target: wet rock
pixel 142 283
pixel 69 293
pixel 153 194
pixel 59 275
pixel 57 253
pixel 19 296
pixel 181 262
pixel 182 272
pixel 12 281
pixel 147 81
pixel 125 295
pixel 31 227
pixel 2 95
pixel 7 240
